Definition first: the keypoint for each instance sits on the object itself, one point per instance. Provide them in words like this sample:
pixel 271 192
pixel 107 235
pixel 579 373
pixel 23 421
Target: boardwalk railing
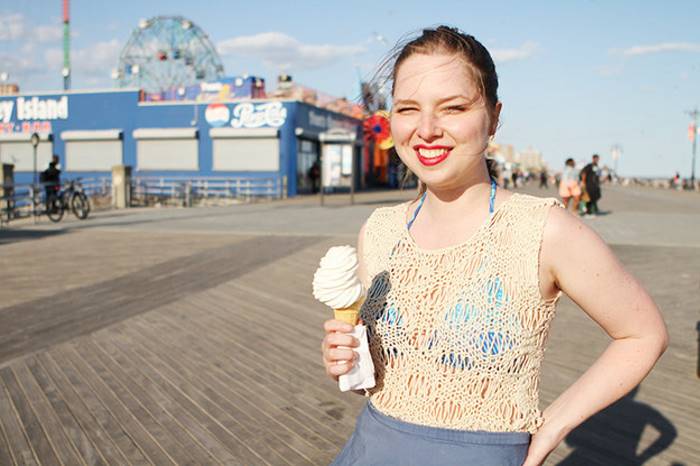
pixel 24 199
pixel 189 190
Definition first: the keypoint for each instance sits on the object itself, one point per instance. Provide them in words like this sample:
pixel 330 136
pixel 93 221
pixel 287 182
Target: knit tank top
pixel 457 334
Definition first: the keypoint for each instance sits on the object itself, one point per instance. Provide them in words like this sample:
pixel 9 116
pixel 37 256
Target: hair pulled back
pixel 450 41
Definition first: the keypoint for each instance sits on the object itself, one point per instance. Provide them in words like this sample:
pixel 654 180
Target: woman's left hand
pixel 542 443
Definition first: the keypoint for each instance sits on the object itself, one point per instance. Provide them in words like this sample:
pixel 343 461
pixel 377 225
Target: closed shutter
pixel 92 150
pixel 245 150
pixel 167 149
pixel 20 153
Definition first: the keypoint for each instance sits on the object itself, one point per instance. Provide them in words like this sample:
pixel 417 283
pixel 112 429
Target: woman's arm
pixel 577 261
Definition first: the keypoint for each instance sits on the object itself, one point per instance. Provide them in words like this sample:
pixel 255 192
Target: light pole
pixel 694 124
pixel 615 152
pixel 34 138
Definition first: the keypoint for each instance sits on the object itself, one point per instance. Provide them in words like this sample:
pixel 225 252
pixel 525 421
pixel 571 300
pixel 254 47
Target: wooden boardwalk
pixel 187 348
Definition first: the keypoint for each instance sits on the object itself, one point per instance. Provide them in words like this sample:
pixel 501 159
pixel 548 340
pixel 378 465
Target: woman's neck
pixel 448 204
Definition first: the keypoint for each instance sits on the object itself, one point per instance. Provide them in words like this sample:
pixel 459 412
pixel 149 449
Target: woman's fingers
pixel 334 325
pixel 336 347
pixel 338 354
pixel 340 339
pixel 339 369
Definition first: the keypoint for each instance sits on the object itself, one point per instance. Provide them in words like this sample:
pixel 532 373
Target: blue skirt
pixel 379 439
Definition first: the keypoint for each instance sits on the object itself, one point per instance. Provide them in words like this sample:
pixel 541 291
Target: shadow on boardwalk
pixel 605 439
pixel 13 236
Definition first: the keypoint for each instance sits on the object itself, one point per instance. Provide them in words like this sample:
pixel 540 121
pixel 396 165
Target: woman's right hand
pixel 336 348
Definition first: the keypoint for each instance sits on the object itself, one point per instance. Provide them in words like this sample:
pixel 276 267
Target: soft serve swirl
pixel 336 283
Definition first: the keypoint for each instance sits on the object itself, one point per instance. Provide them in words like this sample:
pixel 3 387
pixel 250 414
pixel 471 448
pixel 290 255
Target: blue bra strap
pixel 415 212
pixel 492 202
pixel 492 196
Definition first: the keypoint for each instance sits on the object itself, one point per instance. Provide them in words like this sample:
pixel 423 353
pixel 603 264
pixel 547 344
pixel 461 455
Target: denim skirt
pixel 383 440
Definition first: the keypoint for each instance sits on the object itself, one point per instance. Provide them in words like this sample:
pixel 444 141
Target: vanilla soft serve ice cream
pixel 336 283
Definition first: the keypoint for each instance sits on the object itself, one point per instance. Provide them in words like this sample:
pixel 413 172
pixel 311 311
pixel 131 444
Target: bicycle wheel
pixel 54 209
pixel 80 205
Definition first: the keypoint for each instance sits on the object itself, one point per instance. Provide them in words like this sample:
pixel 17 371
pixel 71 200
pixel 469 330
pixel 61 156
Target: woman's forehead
pixel 434 74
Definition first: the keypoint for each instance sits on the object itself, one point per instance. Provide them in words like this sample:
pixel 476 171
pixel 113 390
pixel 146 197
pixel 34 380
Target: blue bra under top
pixel 492 201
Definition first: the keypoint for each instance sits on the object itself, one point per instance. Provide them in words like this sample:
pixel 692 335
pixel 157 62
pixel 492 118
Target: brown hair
pixel 449 40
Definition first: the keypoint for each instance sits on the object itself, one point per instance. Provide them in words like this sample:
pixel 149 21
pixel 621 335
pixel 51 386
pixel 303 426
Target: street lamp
pixel 34 138
pixel 616 152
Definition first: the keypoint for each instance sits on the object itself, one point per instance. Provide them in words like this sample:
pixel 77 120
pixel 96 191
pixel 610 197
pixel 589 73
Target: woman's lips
pixel 431 155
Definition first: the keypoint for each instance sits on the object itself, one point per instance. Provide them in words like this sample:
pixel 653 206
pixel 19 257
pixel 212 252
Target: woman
pixel 462 285
pixel 568 186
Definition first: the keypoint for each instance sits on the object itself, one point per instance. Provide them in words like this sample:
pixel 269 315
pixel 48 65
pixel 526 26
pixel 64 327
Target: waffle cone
pixel 350 314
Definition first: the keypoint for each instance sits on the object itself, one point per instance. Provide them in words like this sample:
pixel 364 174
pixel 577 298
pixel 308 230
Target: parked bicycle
pixel 72 197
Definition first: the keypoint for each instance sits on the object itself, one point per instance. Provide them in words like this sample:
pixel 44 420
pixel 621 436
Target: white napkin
pixel 362 374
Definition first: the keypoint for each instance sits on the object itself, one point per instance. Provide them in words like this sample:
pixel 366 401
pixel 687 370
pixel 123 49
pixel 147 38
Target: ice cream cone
pixel 350 314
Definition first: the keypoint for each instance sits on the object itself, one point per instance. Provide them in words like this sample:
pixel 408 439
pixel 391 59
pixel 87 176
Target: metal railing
pixel 190 190
pixel 27 199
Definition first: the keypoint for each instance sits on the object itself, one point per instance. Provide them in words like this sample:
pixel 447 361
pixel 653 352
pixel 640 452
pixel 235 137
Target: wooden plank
pixel 5 451
pixel 129 422
pixel 33 325
pixel 103 417
pixel 255 438
pixel 285 354
pixel 70 423
pixel 239 391
pixel 311 406
pixel 20 449
pixel 181 446
pixel 46 417
pixel 40 443
pixel 240 451
pixel 193 426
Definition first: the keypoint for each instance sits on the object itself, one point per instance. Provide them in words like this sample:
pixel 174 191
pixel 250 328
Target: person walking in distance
pixel 590 177
pixel 462 285
pixel 51 178
pixel 569 189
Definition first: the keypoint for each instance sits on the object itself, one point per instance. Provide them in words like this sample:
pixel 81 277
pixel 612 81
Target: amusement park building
pixel 92 131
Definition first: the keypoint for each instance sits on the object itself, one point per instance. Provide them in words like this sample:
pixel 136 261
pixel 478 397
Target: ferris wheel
pixel 165 53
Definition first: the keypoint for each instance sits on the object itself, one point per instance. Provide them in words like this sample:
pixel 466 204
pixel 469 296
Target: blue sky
pixel 575 77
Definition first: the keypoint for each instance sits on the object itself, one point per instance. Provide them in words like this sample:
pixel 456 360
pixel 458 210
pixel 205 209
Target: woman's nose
pixel 428 127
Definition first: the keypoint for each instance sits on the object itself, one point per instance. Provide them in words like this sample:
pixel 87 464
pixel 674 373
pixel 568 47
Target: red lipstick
pixel 431 161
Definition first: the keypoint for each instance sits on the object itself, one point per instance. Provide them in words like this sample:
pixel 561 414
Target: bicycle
pixel 72 197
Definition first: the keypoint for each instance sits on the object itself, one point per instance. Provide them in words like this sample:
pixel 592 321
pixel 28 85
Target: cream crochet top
pixel 457 334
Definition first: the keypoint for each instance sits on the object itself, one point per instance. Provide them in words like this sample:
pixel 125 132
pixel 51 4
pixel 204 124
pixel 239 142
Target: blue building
pixel 92 131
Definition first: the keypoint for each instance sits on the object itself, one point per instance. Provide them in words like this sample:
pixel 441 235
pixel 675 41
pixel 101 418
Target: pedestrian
pixel 543 179
pixel 676 181
pixel 569 188
pixel 590 177
pixel 462 286
pixel 314 176
pixel 51 178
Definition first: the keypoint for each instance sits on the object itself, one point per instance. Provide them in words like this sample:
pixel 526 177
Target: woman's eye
pixel 456 108
pixel 406 109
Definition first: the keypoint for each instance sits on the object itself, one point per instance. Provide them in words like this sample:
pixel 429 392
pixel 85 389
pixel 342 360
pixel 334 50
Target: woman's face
pixel 439 121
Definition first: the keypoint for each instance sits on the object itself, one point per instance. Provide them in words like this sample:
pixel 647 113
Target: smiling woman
pixel 462 286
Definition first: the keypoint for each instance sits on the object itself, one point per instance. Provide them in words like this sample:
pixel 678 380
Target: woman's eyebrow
pixel 440 101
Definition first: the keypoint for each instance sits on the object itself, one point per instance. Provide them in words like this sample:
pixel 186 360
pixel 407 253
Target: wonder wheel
pixel 165 53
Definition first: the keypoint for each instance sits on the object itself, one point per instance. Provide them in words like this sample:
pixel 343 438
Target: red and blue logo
pixel 217 115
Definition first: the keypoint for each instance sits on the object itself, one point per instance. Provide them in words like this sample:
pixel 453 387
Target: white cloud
pixel 97 60
pixel 48 33
pixel 521 53
pixel 53 58
pixel 11 26
pixel 610 70
pixel 284 52
pixel 659 48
